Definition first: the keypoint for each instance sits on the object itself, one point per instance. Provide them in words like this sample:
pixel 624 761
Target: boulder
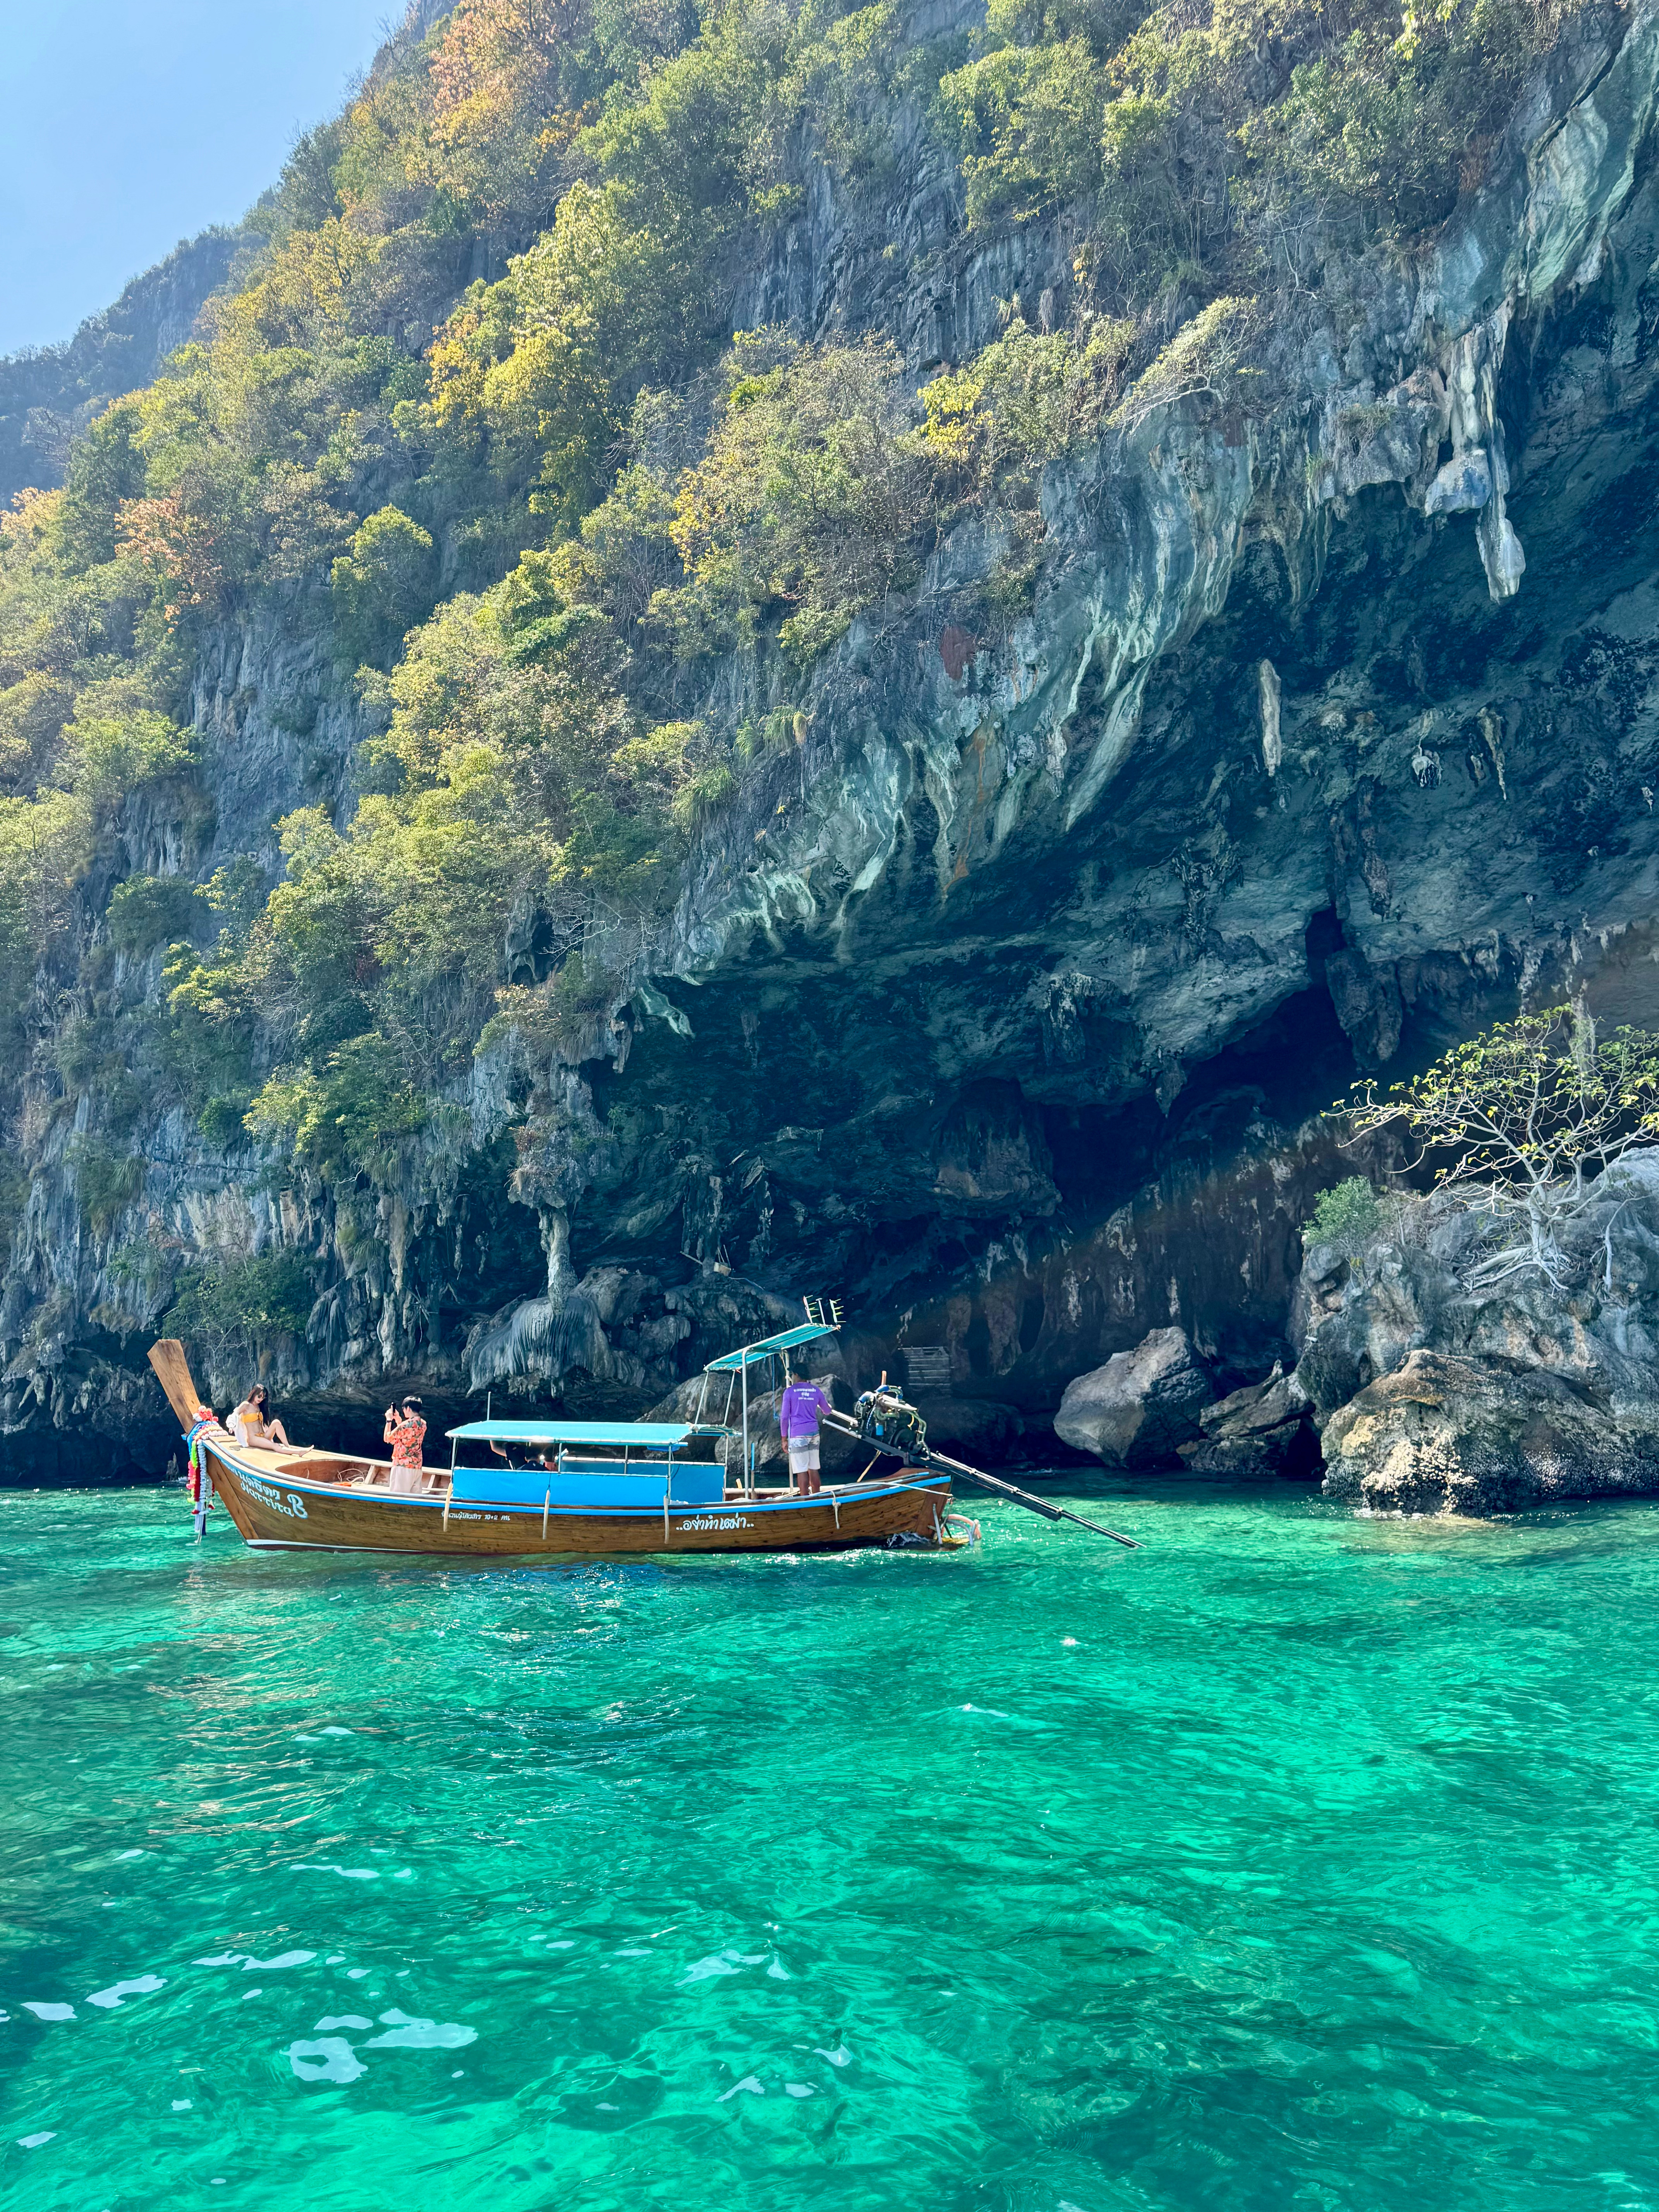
pixel 1443 1435
pixel 1264 1431
pixel 1141 1407
pixel 1436 1388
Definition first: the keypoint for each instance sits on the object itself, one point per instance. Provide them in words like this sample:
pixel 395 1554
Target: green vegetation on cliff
pixel 520 515
pixel 1177 128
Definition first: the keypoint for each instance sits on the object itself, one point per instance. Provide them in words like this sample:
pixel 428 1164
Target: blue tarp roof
pixel 554 1430
pixel 730 1362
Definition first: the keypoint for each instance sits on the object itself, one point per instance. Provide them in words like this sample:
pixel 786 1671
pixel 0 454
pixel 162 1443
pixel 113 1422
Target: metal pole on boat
pixel 748 1471
pixel 927 1457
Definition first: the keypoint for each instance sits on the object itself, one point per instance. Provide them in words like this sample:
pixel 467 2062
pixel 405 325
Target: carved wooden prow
pixel 166 1357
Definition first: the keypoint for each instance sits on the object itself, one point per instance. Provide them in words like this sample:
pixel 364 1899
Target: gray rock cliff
pixel 1006 1005
pixel 1435 1395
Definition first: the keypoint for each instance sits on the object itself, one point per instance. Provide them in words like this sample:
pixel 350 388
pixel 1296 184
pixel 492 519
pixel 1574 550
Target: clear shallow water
pixel 1292 1861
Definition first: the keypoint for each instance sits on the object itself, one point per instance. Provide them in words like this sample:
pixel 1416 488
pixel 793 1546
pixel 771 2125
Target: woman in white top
pixel 250 1424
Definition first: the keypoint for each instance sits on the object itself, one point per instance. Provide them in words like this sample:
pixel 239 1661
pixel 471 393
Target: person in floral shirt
pixel 405 1431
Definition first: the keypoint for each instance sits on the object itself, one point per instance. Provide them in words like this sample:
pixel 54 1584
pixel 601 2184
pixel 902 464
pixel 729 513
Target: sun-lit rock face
pixel 1436 1390
pixel 1005 1003
pixel 1444 1436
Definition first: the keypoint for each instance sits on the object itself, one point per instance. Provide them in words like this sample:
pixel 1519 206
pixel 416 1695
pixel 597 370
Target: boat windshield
pixel 553 1441
pixel 657 1435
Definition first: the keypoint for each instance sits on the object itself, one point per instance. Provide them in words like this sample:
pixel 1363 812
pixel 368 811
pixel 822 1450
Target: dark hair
pixel 412 1405
pixel 259 1395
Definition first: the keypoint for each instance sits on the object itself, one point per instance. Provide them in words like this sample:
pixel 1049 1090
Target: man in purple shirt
pixel 798 1420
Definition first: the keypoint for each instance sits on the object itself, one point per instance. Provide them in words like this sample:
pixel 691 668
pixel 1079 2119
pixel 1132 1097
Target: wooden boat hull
pixel 306 1502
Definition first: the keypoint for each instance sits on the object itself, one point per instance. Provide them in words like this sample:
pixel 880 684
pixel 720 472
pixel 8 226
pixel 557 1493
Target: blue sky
pixel 131 124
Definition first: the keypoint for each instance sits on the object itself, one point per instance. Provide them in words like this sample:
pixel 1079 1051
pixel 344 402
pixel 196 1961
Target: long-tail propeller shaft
pixel 923 1455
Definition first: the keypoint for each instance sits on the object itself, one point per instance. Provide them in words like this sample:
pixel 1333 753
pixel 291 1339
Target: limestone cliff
pixel 1004 1006
pixel 1437 1392
pixel 48 395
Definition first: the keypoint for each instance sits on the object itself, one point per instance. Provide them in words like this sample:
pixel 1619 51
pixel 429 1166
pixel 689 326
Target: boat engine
pixel 885 1417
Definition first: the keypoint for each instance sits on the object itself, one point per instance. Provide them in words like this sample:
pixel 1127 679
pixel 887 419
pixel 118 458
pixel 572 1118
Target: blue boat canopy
pixel 729 1362
pixel 554 1430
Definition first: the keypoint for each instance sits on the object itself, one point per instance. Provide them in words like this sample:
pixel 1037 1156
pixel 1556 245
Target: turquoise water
pixel 1294 1860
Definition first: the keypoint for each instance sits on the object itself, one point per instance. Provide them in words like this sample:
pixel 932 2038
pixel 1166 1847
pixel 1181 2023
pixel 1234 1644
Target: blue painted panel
pixel 621 1493
pixel 698 1485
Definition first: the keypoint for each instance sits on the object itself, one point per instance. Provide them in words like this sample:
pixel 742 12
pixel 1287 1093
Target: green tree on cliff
pixel 1526 1118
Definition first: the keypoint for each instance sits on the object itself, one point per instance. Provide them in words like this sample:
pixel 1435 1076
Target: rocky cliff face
pixel 49 395
pixel 1326 732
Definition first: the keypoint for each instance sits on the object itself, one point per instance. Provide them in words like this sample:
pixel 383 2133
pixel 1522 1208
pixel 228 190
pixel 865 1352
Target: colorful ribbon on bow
pixel 198 1484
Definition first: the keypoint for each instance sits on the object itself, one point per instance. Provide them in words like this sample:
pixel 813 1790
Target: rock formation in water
pixel 1263 1432
pixel 1140 1408
pixel 1001 1000
pixel 1424 1384
pixel 1435 1396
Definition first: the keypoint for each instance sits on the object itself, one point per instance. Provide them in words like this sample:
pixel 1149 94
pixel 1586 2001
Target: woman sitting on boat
pixel 405 1431
pixel 250 1424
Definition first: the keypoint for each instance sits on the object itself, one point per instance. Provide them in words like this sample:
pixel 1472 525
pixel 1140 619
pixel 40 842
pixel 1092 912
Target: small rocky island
pixel 1418 1395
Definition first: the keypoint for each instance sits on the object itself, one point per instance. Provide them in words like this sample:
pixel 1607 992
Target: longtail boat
pixel 542 1488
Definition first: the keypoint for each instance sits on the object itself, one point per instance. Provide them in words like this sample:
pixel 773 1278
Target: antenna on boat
pixel 815 1312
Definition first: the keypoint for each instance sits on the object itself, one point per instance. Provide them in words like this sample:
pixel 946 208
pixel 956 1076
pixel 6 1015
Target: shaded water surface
pixel 1294 1860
